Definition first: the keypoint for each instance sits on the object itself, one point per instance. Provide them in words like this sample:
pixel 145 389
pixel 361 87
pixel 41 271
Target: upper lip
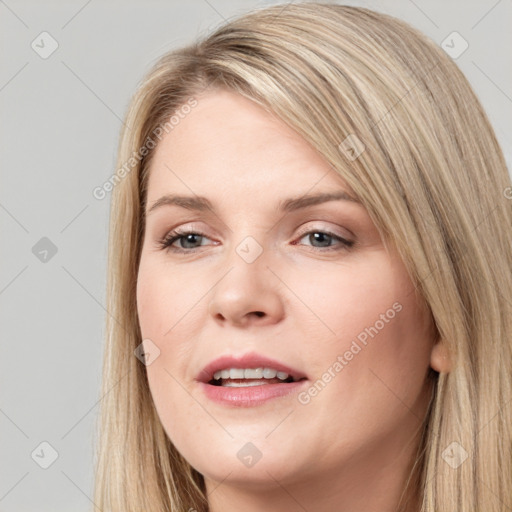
pixel 251 360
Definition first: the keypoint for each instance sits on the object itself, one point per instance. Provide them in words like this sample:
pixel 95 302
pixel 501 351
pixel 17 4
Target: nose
pixel 247 293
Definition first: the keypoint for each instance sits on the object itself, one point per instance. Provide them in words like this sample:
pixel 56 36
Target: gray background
pixel 60 120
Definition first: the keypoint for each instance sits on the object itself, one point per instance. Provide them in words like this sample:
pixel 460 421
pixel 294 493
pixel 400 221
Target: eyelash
pixel 166 242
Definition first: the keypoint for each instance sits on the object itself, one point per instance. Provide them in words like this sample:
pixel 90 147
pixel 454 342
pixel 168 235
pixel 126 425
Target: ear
pixel 440 359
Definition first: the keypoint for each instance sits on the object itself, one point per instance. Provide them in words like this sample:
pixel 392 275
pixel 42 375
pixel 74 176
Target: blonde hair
pixel 433 179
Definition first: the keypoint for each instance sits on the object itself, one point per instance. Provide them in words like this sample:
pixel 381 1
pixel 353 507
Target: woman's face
pixel 268 273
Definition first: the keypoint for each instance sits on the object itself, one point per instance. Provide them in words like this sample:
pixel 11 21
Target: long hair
pixel 399 122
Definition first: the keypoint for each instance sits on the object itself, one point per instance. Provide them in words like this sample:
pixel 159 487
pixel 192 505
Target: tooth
pixel 248 383
pixel 269 373
pixel 251 373
pixel 236 373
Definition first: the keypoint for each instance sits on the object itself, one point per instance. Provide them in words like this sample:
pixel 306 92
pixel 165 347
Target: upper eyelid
pixel 192 228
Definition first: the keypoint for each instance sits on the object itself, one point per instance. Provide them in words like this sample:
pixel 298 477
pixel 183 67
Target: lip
pixel 251 360
pixel 252 395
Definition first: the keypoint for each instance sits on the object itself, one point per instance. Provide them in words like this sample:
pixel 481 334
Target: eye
pixel 188 241
pixel 324 237
pixel 185 237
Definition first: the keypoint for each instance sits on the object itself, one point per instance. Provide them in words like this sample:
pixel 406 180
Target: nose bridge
pixel 247 285
pixel 247 264
pixel 250 250
pixel 250 242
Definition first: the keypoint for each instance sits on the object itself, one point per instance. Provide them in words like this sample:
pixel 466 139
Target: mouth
pixel 248 370
pixel 250 379
pixel 245 377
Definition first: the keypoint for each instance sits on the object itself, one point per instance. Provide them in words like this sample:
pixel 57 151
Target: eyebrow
pixel 199 203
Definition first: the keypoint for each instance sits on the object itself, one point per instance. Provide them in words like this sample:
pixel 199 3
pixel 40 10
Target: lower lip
pixel 250 396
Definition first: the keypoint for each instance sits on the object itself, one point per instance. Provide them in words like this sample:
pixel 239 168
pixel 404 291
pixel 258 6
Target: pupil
pixel 189 238
pixel 316 235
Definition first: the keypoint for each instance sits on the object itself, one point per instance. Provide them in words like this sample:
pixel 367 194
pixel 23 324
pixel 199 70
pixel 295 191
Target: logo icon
pixel 44 45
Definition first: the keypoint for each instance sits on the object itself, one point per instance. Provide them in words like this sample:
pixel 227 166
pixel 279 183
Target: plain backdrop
pixel 60 120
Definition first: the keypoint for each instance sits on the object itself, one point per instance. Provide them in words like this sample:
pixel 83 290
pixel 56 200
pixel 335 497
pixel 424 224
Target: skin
pixel 349 447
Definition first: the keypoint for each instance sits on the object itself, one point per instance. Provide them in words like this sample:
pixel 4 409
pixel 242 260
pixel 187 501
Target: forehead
pixel 229 143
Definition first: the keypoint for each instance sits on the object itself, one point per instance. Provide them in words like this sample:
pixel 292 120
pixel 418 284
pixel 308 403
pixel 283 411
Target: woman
pixel 259 370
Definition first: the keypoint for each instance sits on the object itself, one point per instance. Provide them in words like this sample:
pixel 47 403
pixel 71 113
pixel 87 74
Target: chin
pixel 243 462
pixel 262 475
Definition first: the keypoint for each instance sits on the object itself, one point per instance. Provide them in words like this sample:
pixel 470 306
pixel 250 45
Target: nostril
pixel 259 313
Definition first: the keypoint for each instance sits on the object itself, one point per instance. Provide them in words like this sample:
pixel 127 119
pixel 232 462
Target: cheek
pixel 147 303
pixel 338 308
pixel 168 316
pixel 165 298
pixel 375 338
